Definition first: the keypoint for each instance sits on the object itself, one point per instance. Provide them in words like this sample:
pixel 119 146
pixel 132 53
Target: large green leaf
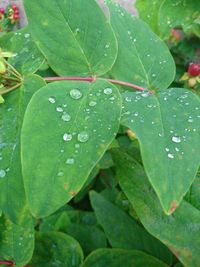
pixel 28 57
pixel 123 231
pixel 77 41
pixel 12 196
pixel 17 242
pixel 179 231
pixel 142 58
pixel 167 126
pixel 177 13
pixel 66 130
pixel 120 257
pixel 193 195
pixel 56 249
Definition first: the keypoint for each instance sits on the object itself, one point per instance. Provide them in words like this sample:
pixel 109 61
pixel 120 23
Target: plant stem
pixel 12 68
pixel 92 79
pixel 10 78
pixel 10 89
pixel 10 263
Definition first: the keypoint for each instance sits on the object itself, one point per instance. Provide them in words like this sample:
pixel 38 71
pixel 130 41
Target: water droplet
pixel 60 174
pixel 52 100
pixel 2 173
pixel 83 137
pixel 167 149
pixel 77 145
pixel 92 103
pixel 59 109
pixel 75 94
pixel 66 117
pixel 67 137
pixel 70 161
pixel 176 139
pixel 170 156
pixel 107 91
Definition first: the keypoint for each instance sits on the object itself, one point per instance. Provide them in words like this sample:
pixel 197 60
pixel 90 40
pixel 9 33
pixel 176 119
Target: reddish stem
pixel 9 263
pixel 92 79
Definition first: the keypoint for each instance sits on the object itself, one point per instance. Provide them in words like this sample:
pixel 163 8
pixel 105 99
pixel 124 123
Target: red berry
pixel 15 16
pixel 194 69
pixel 16 12
pixel 14 7
pixel 2 10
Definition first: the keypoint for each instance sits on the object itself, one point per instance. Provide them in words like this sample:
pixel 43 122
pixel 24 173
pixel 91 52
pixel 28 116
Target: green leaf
pixel 123 231
pixel 177 13
pixel 149 11
pixel 89 236
pixel 66 131
pixel 180 231
pixel 167 126
pixel 193 195
pixel 12 196
pixel 28 57
pixel 17 242
pixel 56 249
pixel 142 58
pixel 119 257
pixel 77 41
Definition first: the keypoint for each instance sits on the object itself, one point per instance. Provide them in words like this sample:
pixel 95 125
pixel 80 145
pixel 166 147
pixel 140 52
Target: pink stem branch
pixel 9 263
pixel 92 79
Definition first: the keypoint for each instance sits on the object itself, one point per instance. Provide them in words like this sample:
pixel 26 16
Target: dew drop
pixel 92 103
pixel 67 137
pixel 60 174
pixel 176 139
pixel 70 161
pixel 170 156
pixel 107 91
pixel 83 137
pixel 66 117
pixel 59 109
pixel 75 94
pixel 2 173
pixel 52 100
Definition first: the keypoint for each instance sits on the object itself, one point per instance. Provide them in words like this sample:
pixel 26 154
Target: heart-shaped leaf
pixel 77 41
pixel 66 130
pixel 167 126
pixel 142 57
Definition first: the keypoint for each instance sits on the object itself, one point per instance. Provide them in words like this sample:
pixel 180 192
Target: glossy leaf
pixel 77 41
pixel 17 242
pixel 12 196
pixel 119 257
pixel 56 249
pixel 167 126
pixel 149 12
pixel 124 232
pixel 175 13
pixel 143 59
pixel 180 231
pixel 27 57
pixel 73 130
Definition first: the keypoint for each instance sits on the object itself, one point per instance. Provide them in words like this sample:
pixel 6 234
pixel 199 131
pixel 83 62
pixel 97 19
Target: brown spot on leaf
pixel 73 193
pixel 173 207
pixel 65 186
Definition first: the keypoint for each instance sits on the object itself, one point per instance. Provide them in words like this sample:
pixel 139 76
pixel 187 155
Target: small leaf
pixel 123 231
pixel 2 99
pixel 79 41
pixel 120 257
pixel 180 231
pixel 17 242
pixel 12 195
pixel 56 249
pixel 142 58
pixel 66 130
pixel 167 126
